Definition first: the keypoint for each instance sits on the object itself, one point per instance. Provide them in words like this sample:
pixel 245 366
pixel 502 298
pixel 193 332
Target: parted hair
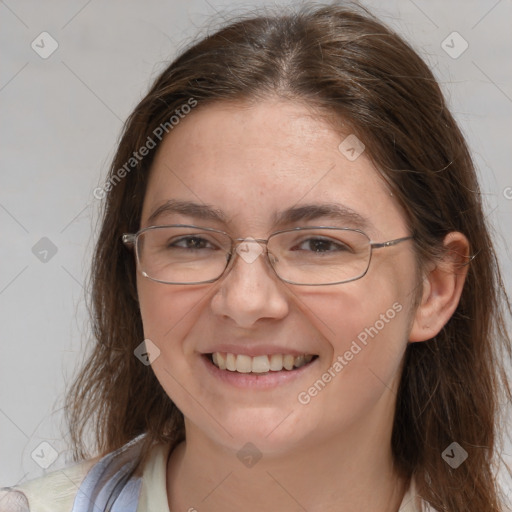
pixel 355 71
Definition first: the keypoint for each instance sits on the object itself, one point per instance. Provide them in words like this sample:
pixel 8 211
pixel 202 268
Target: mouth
pixel 261 365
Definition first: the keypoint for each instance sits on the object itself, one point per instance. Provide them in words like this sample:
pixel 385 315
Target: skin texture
pixel 251 161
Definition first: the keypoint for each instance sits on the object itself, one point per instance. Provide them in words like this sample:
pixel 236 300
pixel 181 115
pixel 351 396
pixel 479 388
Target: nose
pixel 250 291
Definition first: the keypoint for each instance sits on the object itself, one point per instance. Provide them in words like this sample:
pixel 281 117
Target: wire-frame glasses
pixel 308 256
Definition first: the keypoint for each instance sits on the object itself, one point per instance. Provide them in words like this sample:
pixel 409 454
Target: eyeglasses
pixel 308 256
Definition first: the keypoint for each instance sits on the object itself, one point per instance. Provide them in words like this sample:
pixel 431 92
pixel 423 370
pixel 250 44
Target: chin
pixel 272 431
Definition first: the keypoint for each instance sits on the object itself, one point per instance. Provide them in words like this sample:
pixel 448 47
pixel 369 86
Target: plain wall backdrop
pixel 62 112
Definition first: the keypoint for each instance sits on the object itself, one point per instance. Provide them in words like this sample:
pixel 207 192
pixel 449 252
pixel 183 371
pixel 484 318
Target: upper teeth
pixel 258 364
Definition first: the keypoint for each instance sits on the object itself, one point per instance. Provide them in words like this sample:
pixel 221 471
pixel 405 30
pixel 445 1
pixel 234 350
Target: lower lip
pixel 256 380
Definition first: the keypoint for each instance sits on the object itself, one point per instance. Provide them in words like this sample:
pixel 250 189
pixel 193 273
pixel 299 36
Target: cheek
pixel 168 314
pixel 366 325
pixel 167 311
pixel 367 334
pixel 355 313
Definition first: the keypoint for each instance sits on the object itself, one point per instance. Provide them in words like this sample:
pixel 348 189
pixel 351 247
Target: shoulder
pixel 112 477
pixel 54 492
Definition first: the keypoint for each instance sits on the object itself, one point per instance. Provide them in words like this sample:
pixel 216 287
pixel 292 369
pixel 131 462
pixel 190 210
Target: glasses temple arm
pixel 129 238
pixel 389 243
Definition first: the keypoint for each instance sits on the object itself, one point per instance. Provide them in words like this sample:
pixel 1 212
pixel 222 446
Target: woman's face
pixel 248 165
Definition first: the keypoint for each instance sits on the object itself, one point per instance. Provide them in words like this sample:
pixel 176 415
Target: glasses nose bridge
pixel 255 248
pixel 236 242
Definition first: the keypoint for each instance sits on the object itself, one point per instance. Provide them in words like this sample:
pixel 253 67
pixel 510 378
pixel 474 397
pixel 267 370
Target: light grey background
pixel 60 120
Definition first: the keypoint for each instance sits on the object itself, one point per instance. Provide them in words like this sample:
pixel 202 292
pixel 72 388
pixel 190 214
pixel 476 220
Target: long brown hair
pixel 351 68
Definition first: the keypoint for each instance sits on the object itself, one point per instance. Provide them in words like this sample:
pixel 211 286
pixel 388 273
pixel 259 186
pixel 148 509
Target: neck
pixel 337 475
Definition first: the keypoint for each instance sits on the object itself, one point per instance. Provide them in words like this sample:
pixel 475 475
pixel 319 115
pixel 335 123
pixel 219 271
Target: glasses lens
pixel 182 255
pixel 320 256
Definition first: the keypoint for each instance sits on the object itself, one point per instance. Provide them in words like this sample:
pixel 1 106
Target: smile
pixel 242 363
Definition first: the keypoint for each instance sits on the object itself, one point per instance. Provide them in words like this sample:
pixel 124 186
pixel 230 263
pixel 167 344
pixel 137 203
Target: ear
pixel 442 288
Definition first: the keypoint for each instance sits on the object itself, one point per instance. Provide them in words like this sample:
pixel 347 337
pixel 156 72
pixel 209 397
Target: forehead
pixel 251 162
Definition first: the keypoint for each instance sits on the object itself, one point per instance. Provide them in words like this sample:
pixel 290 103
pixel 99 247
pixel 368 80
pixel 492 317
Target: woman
pixel 296 300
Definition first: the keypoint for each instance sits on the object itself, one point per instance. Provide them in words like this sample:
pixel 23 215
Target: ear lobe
pixel 442 288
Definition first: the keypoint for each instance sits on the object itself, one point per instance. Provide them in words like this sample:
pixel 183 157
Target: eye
pixel 320 245
pixel 191 242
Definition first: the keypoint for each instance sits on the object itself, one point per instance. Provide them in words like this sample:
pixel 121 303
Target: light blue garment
pixel 110 485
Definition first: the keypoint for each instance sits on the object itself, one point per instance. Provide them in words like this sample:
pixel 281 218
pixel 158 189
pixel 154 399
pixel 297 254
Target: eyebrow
pixel 334 211
pixel 337 212
pixel 199 211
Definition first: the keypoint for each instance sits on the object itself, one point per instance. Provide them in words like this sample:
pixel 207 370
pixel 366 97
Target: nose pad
pixel 272 258
pixel 249 249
